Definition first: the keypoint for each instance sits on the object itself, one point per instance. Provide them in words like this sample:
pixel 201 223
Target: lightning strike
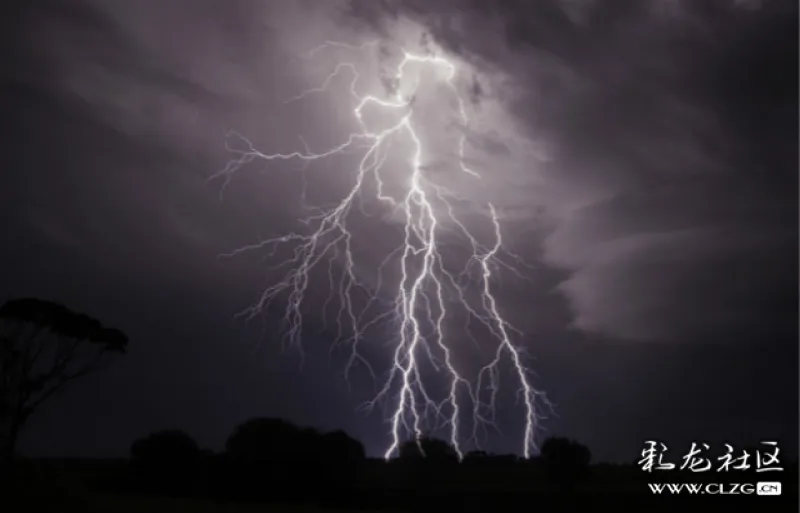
pixel 421 297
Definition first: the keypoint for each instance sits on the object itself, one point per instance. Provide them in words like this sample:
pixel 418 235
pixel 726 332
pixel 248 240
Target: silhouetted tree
pixel 43 346
pixel 166 460
pixel 429 466
pixel 341 461
pixel 265 440
pixel 270 456
pixel 565 461
pixel 428 449
pixel 484 458
pixel 475 456
pixel 340 447
pixel 274 456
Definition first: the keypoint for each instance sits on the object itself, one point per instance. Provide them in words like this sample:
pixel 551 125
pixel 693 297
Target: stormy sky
pixel 642 155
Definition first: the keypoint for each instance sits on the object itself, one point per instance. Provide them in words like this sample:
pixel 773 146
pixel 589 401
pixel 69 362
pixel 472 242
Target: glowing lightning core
pixel 424 277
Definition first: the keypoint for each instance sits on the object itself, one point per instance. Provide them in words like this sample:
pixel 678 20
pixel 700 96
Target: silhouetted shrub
pixel 565 461
pixel 166 461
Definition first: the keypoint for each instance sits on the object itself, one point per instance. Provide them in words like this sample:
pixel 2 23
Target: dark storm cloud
pixel 668 201
pixel 671 129
pixel 117 114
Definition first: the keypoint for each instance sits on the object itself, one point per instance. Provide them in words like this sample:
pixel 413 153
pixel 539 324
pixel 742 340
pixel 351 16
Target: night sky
pixel 643 155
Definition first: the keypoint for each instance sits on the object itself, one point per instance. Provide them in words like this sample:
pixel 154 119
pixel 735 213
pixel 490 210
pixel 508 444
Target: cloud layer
pixel 670 183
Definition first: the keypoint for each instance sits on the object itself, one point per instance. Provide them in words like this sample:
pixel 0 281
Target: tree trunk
pixel 9 444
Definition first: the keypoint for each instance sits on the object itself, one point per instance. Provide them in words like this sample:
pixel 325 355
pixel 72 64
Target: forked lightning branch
pixel 427 282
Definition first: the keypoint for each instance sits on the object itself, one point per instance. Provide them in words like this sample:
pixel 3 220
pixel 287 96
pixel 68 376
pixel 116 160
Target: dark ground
pixel 108 486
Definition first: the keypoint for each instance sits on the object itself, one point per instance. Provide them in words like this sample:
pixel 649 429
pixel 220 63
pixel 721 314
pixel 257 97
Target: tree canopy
pixel 43 346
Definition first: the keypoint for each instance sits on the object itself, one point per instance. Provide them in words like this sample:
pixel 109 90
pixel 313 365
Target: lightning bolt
pixel 425 283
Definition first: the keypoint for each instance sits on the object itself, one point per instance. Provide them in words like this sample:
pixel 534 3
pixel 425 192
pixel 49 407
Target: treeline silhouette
pixel 268 459
pixel 45 346
pixel 272 459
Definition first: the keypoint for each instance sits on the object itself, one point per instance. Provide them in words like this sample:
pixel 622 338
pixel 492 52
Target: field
pixel 71 486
